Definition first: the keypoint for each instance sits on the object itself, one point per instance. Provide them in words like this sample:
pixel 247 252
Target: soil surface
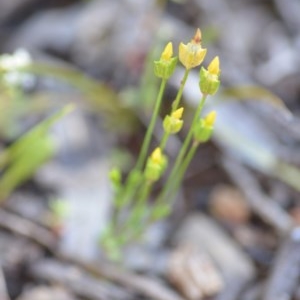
pixel 234 233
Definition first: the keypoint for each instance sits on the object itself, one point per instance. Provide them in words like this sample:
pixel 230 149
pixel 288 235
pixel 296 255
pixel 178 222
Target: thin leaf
pixel 100 95
pixel 25 165
pixel 25 142
pixel 255 93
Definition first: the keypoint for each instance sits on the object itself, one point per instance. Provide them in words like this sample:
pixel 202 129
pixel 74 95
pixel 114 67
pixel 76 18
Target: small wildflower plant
pixel 133 213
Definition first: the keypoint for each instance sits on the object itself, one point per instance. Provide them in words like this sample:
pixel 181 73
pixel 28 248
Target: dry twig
pixel 284 278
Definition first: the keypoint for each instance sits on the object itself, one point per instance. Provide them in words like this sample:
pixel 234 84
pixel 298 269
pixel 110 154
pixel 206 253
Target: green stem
pixel 139 210
pixel 175 105
pixel 128 189
pixel 145 190
pixel 180 91
pixel 126 193
pixel 163 141
pixel 182 169
pixel 182 151
pixel 144 150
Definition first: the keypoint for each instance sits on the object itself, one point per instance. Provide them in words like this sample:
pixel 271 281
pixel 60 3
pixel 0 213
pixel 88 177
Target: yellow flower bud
pixel 192 54
pixel 173 123
pixel 156 155
pixel 165 67
pixel 177 114
pixel 204 128
pixel 214 66
pixel 210 119
pixel 209 79
pixel 168 52
pixel 156 165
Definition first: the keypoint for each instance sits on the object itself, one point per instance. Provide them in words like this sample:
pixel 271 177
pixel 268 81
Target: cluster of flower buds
pixel 191 55
pixel 138 185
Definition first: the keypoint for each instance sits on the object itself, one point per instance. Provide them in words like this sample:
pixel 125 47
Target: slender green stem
pixel 163 141
pixel 145 187
pixel 145 190
pixel 146 143
pixel 175 105
pixel 182 151
pixel 140 190
pixel 180 91
pixel 139 210
pixel 182 168
pixel 129 189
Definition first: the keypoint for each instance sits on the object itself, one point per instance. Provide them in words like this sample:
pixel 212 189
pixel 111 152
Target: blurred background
pixel 234 231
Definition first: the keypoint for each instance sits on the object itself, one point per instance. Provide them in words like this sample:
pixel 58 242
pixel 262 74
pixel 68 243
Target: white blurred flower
pixel 10 62
pixel 11 65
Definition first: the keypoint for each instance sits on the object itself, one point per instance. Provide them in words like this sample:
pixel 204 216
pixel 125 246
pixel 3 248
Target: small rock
pixel 228 204
pixel 236 267
pixel 193 271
